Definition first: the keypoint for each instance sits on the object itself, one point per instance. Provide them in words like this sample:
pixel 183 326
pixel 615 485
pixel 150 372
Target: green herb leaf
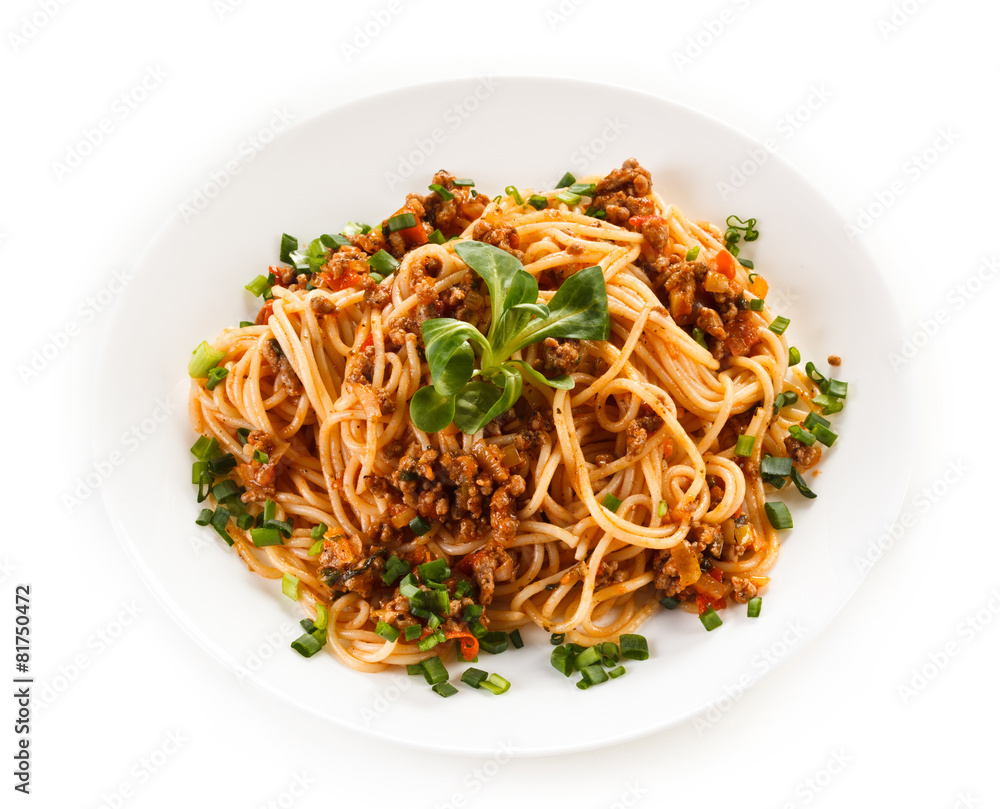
pixel 578 310
pixel 457 372
pixel 563 381
pixel 431 411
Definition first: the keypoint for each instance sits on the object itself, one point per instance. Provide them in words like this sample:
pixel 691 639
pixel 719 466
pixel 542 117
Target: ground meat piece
pixel 802 455
pixel 452 216
pixel 321 305
pixel 378 295
pixel 560 356
pixel 674 569
pixel 346 566
pixel 258 477
pixel 834 360
pixel 708 320
pixel 347 260
pixel 362 366
pixel 705 536
pixel 285 377
pixel 608 573
pixel 656 231
pixel 575 249
pixel 680 283
pixel 638 431
pixel 499 235
pixel 502 508
pixel 489 564
pixel 622 193
pixel 743 589
pixel 743 334
pixel 368 243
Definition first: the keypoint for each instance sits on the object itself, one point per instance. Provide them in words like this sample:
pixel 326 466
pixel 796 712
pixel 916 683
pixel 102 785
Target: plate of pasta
pixel 556 432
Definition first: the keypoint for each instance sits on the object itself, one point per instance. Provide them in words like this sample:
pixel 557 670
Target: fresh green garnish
pixel 473 397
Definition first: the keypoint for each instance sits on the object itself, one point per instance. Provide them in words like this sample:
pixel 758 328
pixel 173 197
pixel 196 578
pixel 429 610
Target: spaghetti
pixel 580 510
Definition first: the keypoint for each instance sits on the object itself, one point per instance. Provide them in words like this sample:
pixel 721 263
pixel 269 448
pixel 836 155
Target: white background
pixel 131 713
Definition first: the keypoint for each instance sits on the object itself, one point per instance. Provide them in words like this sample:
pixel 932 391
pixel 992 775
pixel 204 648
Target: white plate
pixel 348 164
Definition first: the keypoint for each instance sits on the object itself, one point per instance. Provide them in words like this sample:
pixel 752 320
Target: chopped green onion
pixel 436 571
pixel 784 399
pixel 437 237
pixel 434 621
pixel 495 684
pixel 615 673
pixel 263 537
pixel 290 586
pixel 221 464
pixel 289 244
pixel 412 632
pixel 746 263
pixel 477 629
pixel 583 189
pixel 244 521
pixel 562 660
pixel 225 488
pixel 592 675
pixel 419 526
pixel 516 640
pixel 283 527
pixel 307 645
pixel 316 548
pixel 634 647
pixel 204 360
pixel 698 335
pixel 472 612
pixel 384 263
pixel 557 639
pixel 431 641
pixel 771 465
pixel 474 677
pixel 611 502
pixel 441 191
pixel 463 588
pixel 317 532
pixel 806 437
pixel 744 445
pixel 539 203
pixel 753 607
pixel 779 324
pixel 590 656
pixel 670 602
pixel 198 468
pixel 610 654
pixel 513 192
pixel 794 357
pixel 813 420
pixel 322 617
pixel 692 254
pixel 384 630
pixel 260 286
pixel 837 388
pixel 828 404
pixel 204 517
pixel 597 213
pixel 463 183
pixel 355 229
pixel 219 522
pixel 334 242
pixel 401 221
pixel 710 619
pixel 494 642
pixel 260 456
pixel 568 197
pixel 215 376
pixel 395 568
pixel 567 180
pixel 378 279
pixel 757 305
pixel 800 484
pixel 444 689
pixel 414 668
pixel 778 515
pixel 824 435
pixel 243 434
pixel 434 670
